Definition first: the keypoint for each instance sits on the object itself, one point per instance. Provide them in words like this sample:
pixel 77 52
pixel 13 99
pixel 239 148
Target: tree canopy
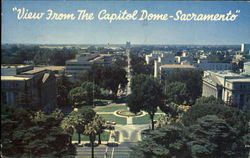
pixel 108 77
pixel 191 78
pixel 33 134
pixel 146 96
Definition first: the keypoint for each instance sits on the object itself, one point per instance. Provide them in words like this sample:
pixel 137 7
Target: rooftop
pixel 14 66
pixel 177 66
pixel 13 78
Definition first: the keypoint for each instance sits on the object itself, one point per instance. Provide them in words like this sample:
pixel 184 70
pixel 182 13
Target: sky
pixel 118 32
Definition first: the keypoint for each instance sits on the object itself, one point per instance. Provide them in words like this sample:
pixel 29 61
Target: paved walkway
pixel 129 120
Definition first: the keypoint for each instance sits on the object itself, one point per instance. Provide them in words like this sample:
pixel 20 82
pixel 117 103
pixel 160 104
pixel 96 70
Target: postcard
pixel 120 79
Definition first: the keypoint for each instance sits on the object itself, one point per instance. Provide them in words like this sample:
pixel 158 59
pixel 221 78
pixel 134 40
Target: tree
pixel 80 118
pixel 100 123
pixel 108 77
pixel 166 142
pixel 91 91
pixel 213 137
pixel 63 88
pixel 148 96
pixel 209 137
pixel 92 129
pixel 139 65
pixel 34 134
pixel 211 100
pixel 77 95
pixel 234 117
pixel 176 92
pixel 192 79
pixel 67 125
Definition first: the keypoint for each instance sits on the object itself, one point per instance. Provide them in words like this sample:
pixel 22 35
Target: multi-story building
pixel 85 62
pixel 232 88
pixel 32 87
pixel 245 47
pixel 166 58
pixel 153 56
pixel 165 69
pixel 203 64
pixel 246 68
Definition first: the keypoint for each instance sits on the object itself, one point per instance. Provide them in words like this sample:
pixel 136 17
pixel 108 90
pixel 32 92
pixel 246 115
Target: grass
pixel 144 119
pixel 110 108
pixel 104 137
pixel 113 118
pixel 117 134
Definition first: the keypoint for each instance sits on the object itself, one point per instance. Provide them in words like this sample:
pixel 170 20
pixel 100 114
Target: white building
pixel 153 56
pixel 232 88
pixel 165 69
pixel 85 62
pixel 204 65
pixel 247 68
pixel 245 47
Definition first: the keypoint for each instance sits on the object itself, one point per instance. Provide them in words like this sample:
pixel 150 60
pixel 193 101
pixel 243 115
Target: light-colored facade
pixel 204 65
pixel 37 87
pixel 247 68
pixel 166 58
pixel 245 47
pixel 232 88
pixel 164 70
pixel 85 62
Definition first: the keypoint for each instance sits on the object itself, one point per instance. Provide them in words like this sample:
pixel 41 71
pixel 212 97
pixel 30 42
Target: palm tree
pixel 68 125
pixel 100 123
pixel 79 123
pixel 91 129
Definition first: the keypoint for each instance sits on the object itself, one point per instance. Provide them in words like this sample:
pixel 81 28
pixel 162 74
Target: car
pixel 110 127
pixel 108 122
pixel 113 123
pixel 79 145
pixel 112 144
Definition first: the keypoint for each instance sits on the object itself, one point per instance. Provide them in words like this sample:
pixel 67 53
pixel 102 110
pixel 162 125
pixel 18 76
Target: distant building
pixel 164 70
pixel 153 56
pixel 232 88
pixel 128 45
pixel 14 69
pixel 165 58
pixel 36 86
pixel 204 65
pixel 246 68
pixel 85 62
pixel 245 47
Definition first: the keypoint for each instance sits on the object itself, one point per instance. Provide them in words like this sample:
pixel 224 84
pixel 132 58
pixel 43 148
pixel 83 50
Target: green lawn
pixel 104 137
pixel 110 108
pixel 111 117
pixel 117 136
pixel 144 119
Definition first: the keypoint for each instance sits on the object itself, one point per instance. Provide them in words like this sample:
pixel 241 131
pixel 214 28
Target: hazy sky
pixel 118 32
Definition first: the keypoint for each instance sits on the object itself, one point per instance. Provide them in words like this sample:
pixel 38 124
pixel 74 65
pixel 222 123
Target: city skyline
pixel 118 32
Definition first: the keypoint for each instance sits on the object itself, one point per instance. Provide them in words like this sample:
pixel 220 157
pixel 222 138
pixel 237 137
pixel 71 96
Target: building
pixel 184 59
pixel 245 47
pixel 85 62
pixel 14 69
pixel 32 87
pixel 246 68
pixel 165 58
pixel 203 64
pixel 128 45
pixel 165 69
pixel 153 56
pixel 232 88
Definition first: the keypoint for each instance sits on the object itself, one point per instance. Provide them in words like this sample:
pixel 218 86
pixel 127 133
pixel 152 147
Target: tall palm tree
pixel 68 125
pixel 79 123
pixel 91 129
pixel 100 123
